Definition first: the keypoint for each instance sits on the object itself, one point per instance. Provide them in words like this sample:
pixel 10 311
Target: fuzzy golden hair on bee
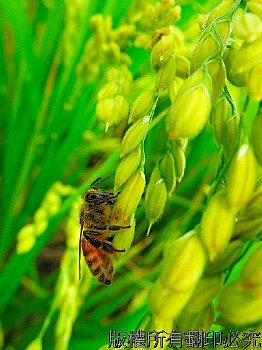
pixel 96 230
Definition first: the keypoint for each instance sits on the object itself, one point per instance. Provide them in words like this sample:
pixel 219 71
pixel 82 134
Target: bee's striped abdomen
pixel 99 263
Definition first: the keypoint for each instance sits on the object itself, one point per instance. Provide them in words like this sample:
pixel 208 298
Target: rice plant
pixel 160 101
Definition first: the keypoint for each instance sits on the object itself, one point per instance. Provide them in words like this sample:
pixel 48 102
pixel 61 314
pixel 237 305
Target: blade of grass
pixel 15 14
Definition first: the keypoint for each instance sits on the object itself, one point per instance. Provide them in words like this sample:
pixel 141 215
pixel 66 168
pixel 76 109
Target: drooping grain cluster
pixel 197 88
pixel 49 207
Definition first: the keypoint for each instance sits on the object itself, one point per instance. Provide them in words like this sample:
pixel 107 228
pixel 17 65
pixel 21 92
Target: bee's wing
pixel 79 251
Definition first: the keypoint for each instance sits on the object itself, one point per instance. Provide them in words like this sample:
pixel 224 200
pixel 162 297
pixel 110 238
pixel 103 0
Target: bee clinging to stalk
pixel 96 232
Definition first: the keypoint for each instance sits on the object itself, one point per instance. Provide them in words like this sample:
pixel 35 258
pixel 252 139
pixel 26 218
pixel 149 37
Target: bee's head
pixel 96 197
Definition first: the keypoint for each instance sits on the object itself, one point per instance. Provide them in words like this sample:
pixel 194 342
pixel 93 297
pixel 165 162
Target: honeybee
pixel 96 232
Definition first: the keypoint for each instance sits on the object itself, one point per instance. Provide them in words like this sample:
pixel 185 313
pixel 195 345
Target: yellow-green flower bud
pixel 224 29
pixel 52 197
pixel 206 290
pixel 254 206
pixel 235 78
pixel 179 160
pixel 256 136
pixel 183 255
pixel 230 135
pixel 168 172
pixel 255 7
pixel 171 301
pixel 40 215
pixel 111 51
pixel 248 226
pixel 142 105
pixel 134 135
pixel 254 82
pixel 166 74
pixel 202 320
pixel 127 167
pixel 109 90
pixel 249 222
pixel 52 203
pixel 158 34
pixel 226 258
pixel 248 27
pixel 220 115
pixel 124 238
pixel 112 110
pixel 130 197
pixel 61 189
pixel 241 60
pixel 207 47
pixel 123 33
pixel 241 177
pixel 182 67
pixel 170 12
pixel 162 50
pixel 251 274
pixel 205 318
pixel 122 75
pixel 198 78
pixel 173 89
pixel 25 239
pixel 219 11
pixel 156 196
pixel 217 72
pixel 143 40
pixel 40 227
pixel 190 110
pixel 217 225
pixel 239 306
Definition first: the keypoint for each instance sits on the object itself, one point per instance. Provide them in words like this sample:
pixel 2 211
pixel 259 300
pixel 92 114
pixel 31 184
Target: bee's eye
pixel 91 196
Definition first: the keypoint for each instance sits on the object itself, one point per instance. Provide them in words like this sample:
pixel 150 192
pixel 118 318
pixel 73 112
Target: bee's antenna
pixel 96 182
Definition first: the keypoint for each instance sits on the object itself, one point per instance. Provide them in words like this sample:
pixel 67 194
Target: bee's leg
pixel 116 195
pixel 95 242
pixel 110 228
pixel 92 233
pixel 108 248
pixel 111 199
